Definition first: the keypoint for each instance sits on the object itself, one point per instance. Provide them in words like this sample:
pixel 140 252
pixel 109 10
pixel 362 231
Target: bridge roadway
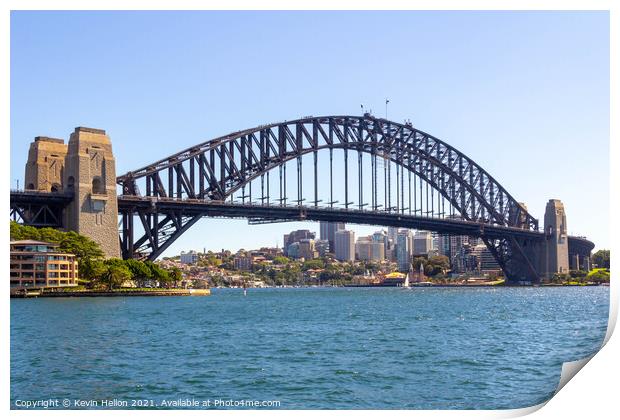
pixel 274 213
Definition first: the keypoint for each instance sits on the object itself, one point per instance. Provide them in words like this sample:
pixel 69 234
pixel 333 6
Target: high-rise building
pixel 322 247
pixel 403 249
pixel 422 242
pixel 306 249
pixel 296 236
pixel 370 248
pixel 328 231
pixel 345 245
pixel 292 250
pixel 392 233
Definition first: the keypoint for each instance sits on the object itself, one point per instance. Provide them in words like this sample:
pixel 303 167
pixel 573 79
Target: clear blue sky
pixel 525 94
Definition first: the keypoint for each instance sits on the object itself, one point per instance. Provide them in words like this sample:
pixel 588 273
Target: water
pixel 423 348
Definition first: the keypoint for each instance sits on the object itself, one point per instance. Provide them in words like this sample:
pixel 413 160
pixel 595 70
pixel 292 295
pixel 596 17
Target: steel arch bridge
pixel 412 179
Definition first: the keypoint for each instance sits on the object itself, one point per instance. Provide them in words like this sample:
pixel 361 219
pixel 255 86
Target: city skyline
pixel 468 109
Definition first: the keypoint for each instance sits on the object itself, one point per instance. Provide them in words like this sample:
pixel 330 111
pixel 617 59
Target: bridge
pixel 354 169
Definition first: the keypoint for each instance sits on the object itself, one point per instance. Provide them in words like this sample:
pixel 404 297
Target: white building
pixel 190 257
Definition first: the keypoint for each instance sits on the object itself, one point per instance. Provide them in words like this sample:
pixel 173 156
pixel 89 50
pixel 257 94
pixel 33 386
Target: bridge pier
pixel 84 169
pixel 90 173
pixel 556 240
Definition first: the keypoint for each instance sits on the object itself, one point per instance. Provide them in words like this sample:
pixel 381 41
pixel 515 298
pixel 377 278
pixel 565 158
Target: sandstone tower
pixel 45 165
pixel 556 238
pixel 90 173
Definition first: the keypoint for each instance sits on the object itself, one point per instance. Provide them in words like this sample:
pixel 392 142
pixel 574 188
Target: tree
pixel 91 269
pixel 81 246
pixel 601 258
pixel 21 232
pixel 315 264
pixel 176 276
pixel 598 276
pixel 440 261
pixel 140 272
pixel 279 260
pixel 159 274
pixel 115 275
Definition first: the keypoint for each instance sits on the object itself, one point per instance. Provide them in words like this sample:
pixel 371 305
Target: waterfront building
pixel 190 257
pixel 36 264
pixel 296 236
pixel 328 232
pixel 345 245
pixel 422 242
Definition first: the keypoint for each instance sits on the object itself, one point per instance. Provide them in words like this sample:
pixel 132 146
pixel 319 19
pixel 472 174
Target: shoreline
pixel 113 293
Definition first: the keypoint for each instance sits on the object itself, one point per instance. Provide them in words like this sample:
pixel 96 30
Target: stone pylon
pixel 556 238
pixel 45 165
pixel 91 174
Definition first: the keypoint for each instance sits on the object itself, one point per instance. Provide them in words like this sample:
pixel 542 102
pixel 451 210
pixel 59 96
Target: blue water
pixel 423 348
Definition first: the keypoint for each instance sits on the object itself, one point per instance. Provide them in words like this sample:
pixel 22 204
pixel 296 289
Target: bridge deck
pixel 300 213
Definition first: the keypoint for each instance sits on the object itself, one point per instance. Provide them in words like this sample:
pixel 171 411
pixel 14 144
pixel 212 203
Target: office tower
pixel 345 245
pixel 328 231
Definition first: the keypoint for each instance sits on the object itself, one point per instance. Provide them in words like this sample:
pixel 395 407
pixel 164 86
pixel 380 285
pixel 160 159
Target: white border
pixel 593 394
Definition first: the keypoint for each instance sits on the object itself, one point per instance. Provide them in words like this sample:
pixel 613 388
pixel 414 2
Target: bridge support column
pixel 90 173
pixel 556 240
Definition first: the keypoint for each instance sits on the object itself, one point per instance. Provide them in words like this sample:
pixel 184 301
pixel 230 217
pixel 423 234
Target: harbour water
pixel 391 348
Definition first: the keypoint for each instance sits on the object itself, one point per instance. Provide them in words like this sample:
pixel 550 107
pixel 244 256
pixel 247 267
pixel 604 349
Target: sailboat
pixel 406 283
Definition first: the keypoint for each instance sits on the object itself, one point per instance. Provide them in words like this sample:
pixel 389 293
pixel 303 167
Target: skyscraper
pixel 369 249
pixel 345 245
pixel 296 236
pixel 328 231
pixel 403 249
pixel 422 242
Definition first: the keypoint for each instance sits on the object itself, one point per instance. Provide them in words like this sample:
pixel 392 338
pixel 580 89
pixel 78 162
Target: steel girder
pixel 216 169
pixel 38 208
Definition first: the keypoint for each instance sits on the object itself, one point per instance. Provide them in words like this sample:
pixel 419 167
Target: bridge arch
pixel 215 170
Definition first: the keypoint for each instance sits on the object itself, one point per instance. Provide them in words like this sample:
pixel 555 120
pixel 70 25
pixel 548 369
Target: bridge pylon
pixel 90 174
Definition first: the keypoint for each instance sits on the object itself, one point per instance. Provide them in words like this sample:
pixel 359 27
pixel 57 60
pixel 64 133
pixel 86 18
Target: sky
pixel 524 94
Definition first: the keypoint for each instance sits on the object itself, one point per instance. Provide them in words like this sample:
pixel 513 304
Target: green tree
pixel 159 274
pixel 601 258
pixel 315 264
pixel 176 276
pixel 91 269
pixel 598 276
pixel 280 260
pixel 140 272
pixel 21 232
pixel 115 275
pixel 81 246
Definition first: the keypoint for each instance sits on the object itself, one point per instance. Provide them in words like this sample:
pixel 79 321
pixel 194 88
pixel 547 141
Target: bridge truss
pixel 383 168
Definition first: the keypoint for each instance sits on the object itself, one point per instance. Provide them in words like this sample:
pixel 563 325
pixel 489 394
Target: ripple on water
pixel 310 348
